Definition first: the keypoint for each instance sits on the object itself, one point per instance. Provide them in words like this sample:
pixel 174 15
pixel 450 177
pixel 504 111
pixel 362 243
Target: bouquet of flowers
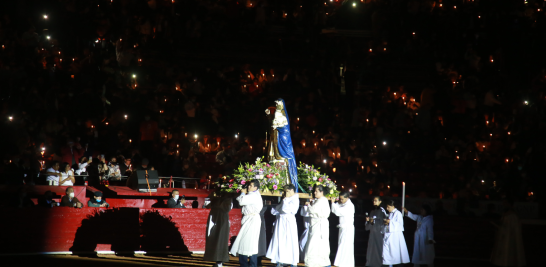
pixel 308 177
pixel 272 179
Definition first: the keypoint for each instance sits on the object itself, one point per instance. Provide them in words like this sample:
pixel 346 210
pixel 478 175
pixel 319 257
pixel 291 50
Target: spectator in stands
pixel 47 200
pixel 125 167
pixel 103 168
pixel 53 174
pixel 84 162
pixel 175 201
pixel 71 152
pixel 144 165
pixel 114 172
pixel 67 175
pixel 97 201
pixel 69 200
pixel 223 156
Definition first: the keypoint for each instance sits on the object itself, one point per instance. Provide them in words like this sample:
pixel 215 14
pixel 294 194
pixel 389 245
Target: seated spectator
pixel 175 201
pixel 144 165
pixel 97 202
pixel 125 167
pixel 53 174
pixel 69 200
pixel 222 157
pixel 47 200
pixel 114 172
pixel 82 166
pixel 67 175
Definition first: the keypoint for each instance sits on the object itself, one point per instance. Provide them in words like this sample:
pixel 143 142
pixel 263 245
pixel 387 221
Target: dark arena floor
pixel 190 260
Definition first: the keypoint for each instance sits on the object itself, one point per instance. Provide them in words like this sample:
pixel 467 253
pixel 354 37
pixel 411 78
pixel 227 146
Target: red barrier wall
pixel 59 229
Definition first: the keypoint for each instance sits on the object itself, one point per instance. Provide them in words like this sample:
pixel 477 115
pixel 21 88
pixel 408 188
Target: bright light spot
pixel 134 75
pixel 45 16
pixel 384 143
pixel 48 37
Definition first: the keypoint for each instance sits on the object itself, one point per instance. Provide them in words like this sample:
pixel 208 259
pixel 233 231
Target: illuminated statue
pixel 280 147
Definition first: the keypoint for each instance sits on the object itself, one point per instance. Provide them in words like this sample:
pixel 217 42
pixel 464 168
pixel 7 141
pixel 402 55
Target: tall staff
pixel 403 195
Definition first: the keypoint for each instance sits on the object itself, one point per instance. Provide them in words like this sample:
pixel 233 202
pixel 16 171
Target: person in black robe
pixel 217 236
pixel 375 224
pixel 262 243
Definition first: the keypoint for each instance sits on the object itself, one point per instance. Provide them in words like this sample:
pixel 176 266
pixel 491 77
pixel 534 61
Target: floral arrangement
pixel 273 179
pixel 308 177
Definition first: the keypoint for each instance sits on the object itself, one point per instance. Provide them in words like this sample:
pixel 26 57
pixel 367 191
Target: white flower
pixel 258 159
pixel 314 178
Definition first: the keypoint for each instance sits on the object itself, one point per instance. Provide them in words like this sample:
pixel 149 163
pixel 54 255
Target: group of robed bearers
pixel 285 247
pixel 387 245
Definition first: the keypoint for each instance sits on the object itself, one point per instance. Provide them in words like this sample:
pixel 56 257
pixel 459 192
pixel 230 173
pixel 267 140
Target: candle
pixel 130 140
pixel 334 169
pixel 403 195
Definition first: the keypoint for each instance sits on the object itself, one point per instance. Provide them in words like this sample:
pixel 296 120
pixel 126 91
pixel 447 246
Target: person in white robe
pixel 246 243
pixel 317 248
pixel 304 212
pixel 284 248
pixel 508 249
pixel 345 210
pixel 395 250
pixel 423 243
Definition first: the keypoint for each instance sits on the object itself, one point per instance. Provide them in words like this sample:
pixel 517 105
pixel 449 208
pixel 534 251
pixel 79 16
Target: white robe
pixel 345 255
pixel 317 248
pixel 246 242
pixel 423 252
pixel 284 247
pixel 304 212
pixel 395 250
pixel 508 249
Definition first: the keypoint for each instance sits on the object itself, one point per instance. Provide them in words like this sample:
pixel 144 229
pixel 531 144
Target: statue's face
pixel 278 102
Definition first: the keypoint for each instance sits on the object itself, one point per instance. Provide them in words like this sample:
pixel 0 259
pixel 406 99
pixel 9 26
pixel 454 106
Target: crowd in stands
pixel 447 96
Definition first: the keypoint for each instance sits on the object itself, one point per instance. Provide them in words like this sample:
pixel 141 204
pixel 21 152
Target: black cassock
pixel 262 244
pixel 217 236
pixel 374 255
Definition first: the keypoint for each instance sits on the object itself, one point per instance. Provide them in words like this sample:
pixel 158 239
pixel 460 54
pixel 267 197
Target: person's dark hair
pixel 70 187
pixel 290 187
pixel 319 187
pixel 378 198
pixel 53 163
pixel 390 202
pixel 63 166
pixel 255 183
pixel 172 193
pixel 345 194
pixel 427 209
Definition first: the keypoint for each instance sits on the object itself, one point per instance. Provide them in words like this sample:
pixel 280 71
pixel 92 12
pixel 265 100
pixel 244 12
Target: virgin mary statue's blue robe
pixel 286 150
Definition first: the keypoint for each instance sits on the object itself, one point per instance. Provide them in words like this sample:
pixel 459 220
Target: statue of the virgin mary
pixel 280 147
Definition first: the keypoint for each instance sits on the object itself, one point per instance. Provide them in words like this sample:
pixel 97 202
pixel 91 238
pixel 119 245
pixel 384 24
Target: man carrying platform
pixel 283 247
pixel 246 243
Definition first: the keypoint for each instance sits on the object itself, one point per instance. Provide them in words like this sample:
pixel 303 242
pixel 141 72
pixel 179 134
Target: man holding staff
pixel 246 243
pixel 345 210
pixel 283 247
pixel 317 249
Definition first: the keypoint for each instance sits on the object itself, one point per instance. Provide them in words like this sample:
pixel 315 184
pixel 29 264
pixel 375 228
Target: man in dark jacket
pixel 175 201
pixel 69 200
